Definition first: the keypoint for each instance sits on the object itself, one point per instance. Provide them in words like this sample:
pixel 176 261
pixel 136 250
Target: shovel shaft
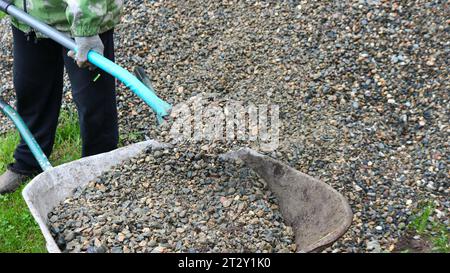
pixel 160 107
pixel 26 135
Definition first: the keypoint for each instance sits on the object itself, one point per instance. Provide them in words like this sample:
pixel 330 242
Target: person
pixel 38 69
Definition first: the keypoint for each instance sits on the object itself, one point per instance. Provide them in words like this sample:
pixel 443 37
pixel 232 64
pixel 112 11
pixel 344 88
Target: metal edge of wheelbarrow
pixel 49 188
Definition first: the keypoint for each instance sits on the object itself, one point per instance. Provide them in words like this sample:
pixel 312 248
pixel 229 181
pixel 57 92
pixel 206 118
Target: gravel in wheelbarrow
pixel 175 199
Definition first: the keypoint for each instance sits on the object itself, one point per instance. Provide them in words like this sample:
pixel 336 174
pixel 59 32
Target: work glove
pixel 84 45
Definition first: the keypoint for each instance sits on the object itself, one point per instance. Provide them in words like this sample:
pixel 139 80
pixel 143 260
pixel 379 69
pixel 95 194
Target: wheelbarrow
pixel 318 214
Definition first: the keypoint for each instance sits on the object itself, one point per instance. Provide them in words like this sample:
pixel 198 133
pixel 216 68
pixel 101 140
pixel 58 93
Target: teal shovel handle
pixel 144 92
pixel 26 136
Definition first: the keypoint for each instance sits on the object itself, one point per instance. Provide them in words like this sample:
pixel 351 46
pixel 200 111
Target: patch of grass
pixel 18 231
pixel 2 14
pixel 7 145
pixel 67 140
pixel 437 233
pixel 131 137
pixel 420 222
pixel 440 239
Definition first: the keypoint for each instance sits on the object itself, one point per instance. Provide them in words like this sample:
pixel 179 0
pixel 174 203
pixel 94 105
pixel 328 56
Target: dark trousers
pixel 38 82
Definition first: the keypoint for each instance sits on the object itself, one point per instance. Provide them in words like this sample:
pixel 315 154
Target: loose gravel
pixel 173 200
pixel 362 88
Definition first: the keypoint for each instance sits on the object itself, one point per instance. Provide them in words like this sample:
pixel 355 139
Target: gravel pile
pixel 362 88
pixel 6 89
pixel 173 200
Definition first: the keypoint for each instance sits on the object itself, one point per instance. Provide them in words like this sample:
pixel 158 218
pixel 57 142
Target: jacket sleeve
pixel 85 16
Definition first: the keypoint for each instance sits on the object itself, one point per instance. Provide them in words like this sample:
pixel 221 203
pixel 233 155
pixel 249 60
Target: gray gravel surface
pixel 173 200
pixel 6 89
pixel 362 88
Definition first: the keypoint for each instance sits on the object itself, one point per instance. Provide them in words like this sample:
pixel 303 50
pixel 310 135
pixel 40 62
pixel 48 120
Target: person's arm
pixel 85 18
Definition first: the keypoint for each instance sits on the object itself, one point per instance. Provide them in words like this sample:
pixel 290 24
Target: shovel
pixel 146 93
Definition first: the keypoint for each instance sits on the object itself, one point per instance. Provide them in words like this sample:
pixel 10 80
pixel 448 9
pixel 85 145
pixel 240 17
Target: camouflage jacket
pixel 77 18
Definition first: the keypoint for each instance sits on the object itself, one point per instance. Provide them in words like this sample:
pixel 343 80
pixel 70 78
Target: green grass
pixel 18 231
pixel 130 137
pixel 67 140
pixel 437 233
pixel 2 14
pixel 7 145
pixel 420 222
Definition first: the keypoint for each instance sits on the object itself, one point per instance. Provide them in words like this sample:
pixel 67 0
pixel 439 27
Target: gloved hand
pixel 84 44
